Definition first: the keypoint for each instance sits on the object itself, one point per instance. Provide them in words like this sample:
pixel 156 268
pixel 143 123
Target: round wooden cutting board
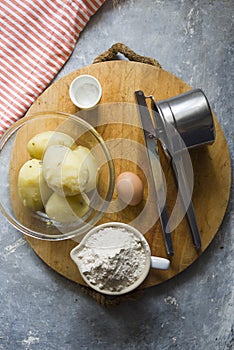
pixel 116 119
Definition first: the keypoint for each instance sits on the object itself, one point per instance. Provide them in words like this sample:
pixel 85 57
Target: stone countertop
pixel 42 310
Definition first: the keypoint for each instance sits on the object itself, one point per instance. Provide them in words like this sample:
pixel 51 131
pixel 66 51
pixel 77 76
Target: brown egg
pixel 129 188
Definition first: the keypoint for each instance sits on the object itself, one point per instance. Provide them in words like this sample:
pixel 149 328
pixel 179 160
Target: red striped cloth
pixel 36 39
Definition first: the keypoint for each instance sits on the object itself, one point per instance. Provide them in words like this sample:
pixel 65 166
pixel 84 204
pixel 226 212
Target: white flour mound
pixel 112 259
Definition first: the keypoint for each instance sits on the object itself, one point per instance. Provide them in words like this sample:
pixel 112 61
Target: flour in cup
pixel 112 259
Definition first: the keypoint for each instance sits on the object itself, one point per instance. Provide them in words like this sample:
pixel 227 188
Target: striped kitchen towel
pixel 36 39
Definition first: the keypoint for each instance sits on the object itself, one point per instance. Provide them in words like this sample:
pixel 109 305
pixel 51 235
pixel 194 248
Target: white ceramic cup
pixel 85 91
pixel 150 261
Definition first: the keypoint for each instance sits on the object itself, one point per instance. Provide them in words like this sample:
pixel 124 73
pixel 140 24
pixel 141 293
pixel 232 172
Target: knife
pixel 151 139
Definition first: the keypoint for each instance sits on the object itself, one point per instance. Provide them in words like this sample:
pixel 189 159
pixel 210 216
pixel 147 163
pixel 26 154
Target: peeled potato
pixel 89 162
pixel 32 188
pixel 38 144
pixel 66 209
pixel 63 172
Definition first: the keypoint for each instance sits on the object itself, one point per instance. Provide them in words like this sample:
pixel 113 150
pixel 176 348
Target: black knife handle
pixel 164 218
pixel 187 203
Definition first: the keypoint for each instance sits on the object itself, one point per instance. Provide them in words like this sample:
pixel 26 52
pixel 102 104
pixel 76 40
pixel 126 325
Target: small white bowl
pixel 85 91
pixel 150 261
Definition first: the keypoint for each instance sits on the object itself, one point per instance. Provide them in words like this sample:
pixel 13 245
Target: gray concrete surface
pixel 39 309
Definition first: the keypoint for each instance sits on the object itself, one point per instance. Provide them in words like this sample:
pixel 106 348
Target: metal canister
pixel 191 115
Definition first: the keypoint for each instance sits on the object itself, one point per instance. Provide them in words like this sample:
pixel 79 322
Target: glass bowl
pixel 14 154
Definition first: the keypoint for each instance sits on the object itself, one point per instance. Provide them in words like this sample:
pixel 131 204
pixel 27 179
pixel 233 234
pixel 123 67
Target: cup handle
pixel 160 263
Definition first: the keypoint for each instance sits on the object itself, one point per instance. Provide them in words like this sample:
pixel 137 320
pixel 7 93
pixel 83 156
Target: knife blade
pixel 151 138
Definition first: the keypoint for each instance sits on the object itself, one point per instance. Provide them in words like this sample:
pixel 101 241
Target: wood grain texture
pixel 118 123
